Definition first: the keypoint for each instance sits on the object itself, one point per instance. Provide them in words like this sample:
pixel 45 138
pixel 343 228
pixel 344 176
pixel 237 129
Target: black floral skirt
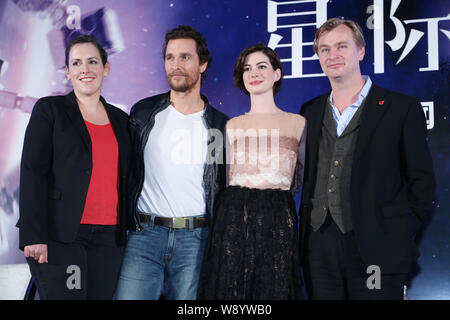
pixel 253 250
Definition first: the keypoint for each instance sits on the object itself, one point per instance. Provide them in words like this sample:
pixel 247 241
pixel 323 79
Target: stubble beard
pixel 186 86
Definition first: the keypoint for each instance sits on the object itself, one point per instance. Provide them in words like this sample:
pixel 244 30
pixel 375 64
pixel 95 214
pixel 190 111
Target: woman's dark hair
pixel 86 39
pixel 187 32
pixel 239 67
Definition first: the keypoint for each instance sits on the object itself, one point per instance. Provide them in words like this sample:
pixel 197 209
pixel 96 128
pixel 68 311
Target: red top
pixel 102 198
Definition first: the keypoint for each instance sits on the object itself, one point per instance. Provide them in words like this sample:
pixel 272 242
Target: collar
pixel 362 94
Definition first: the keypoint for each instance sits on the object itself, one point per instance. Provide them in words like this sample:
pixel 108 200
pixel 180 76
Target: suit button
pixel 336 163
pixel 332 177
pixel 331 190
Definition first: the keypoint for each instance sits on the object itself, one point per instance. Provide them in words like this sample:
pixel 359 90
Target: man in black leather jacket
pixel 178 172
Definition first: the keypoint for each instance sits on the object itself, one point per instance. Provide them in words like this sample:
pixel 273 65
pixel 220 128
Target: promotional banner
pixel 407 50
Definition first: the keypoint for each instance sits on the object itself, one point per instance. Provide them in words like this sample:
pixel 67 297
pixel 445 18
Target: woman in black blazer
pixel 73 184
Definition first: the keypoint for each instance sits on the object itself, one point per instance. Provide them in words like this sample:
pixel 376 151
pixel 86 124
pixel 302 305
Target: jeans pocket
pixel 136 232
pixel 201 233
pixel 393 211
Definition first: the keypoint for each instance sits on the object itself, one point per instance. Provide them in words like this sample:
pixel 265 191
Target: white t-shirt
pixel 174 160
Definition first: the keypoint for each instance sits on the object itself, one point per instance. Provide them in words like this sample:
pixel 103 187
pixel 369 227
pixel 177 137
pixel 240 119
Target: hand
pixel 37 251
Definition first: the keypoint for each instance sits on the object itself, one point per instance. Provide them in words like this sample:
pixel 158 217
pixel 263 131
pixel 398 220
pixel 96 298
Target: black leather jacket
pixel 142 119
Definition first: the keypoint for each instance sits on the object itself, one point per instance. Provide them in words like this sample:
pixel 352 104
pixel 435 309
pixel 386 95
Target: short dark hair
pixel 239 67
pixel 86 39
pixel 187 32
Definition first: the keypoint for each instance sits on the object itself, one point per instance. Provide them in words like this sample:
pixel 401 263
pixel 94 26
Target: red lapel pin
pixel 380 103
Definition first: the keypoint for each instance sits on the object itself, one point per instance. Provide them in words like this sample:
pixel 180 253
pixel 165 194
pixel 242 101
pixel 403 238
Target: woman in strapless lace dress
pixel 252 252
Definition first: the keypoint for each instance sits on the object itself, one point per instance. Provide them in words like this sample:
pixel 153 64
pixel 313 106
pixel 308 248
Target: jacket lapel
pixel 374 109
pixel 314 125
pixel 117 128
pixel 73 111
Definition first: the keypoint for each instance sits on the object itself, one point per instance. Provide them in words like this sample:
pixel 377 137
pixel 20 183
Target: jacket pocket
pixel 394 210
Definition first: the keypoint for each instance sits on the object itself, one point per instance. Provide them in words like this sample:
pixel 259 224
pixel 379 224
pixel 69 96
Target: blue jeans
pixel 161 260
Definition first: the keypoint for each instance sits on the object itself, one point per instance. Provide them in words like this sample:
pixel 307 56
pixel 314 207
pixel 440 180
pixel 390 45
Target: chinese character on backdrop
pixel 406 37
pixel 299 19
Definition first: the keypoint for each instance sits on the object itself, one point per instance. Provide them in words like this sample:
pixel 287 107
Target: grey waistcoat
pixel 332 191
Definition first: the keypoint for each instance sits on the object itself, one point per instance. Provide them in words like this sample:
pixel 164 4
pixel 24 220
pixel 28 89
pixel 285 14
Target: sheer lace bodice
pixel 265 150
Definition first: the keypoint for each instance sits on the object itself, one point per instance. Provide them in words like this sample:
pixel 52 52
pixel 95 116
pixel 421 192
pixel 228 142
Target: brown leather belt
pixel 176 223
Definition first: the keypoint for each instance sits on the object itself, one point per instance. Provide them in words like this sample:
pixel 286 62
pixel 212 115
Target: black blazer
pixel 392 180
pixel 56 170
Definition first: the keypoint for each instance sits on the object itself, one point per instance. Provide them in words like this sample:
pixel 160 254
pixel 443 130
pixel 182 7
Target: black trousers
pixel 88 268
pixel 335 270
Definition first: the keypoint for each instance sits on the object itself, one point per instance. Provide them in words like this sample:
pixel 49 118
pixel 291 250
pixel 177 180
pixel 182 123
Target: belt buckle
pixel 178 223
